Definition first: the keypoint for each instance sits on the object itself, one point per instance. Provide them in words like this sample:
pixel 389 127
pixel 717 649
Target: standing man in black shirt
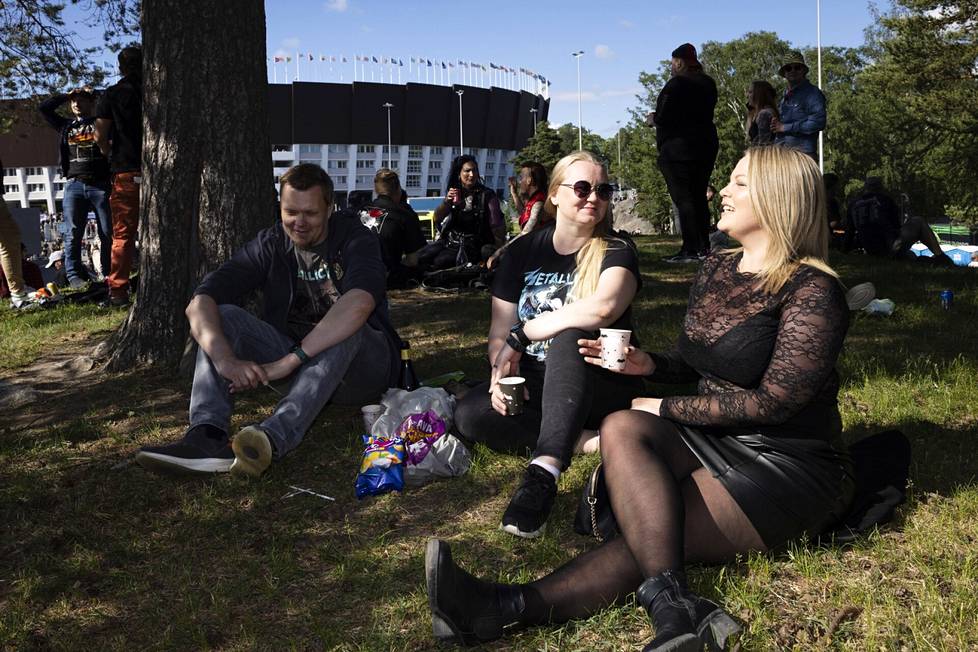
pixel 398 227
pixel 119 132
pixel 686 138
pixel 87 172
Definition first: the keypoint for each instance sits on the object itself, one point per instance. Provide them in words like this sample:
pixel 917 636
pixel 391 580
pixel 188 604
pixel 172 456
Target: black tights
pixel 669 509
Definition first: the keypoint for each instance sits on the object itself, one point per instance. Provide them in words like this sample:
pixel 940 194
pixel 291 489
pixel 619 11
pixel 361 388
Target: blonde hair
pixel 591 255
pixel 787 196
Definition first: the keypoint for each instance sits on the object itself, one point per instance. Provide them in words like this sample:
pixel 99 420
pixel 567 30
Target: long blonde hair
pixel 787 196
pixel 590 256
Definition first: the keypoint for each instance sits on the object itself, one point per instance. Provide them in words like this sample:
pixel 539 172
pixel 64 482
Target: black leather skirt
pixel 786 487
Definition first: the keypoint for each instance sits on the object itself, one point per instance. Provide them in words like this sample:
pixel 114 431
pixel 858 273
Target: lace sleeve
pixel 811 329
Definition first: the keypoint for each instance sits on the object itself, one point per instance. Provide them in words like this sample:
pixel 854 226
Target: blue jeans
pixel 79 198
pixel 354 371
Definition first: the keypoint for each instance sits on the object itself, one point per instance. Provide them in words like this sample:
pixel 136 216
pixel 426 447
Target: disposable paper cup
pixel 512 389
pixel 614 342
pixel 370 414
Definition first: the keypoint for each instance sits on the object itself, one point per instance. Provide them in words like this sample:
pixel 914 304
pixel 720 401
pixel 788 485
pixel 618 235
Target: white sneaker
pixel 24 300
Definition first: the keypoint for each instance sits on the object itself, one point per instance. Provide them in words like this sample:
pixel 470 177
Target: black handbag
pixel 594 516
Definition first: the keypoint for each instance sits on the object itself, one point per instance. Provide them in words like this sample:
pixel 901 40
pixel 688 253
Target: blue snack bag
pixel 382 468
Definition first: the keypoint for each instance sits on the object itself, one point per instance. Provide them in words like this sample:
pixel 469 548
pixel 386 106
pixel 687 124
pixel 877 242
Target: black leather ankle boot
pixel 717 630
pixel 672 615
pixel 465 608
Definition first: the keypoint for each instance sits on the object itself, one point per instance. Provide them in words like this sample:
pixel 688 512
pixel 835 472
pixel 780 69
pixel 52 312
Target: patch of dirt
pixel 65 384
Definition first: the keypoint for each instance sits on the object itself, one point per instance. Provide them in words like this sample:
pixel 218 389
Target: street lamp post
pixel 534 112
pixel 580 134
pixel 818 46
pixel 389 106
pixel 461 146
pixel 618 122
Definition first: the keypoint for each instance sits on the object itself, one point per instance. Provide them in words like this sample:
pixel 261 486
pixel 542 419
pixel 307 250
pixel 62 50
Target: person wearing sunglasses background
pixel 802 108
pixel 552 287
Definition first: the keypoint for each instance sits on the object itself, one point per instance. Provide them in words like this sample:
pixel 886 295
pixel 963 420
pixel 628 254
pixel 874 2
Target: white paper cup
pixel 370 414
pixel 512 389
pixel 614 343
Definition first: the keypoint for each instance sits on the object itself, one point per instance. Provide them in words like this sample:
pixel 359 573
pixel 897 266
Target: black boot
pixel 717 630
pixel 465 608
pixel 672 615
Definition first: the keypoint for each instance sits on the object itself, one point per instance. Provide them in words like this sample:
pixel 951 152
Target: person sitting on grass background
pixel 469 222
pixel 554 286
pixel 874 225
pixel 751 461
pixel 325 325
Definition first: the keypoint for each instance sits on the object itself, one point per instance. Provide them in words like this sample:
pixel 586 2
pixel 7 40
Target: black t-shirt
pixel 85 159
pixel 122 103
pixel 315 290
pixel 397 226
pixel 534 276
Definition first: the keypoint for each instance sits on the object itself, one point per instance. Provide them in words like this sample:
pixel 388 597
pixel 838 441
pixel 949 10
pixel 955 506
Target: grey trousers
pixel 354 371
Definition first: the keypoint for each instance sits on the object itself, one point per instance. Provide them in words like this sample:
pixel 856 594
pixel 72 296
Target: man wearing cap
pixel 57 261
pixel 687 143
pixel 86 170
pixel 802 108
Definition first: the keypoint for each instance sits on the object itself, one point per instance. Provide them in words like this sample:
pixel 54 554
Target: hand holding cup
pixel 636 362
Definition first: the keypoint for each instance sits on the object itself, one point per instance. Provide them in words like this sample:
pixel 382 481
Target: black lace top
pixel 765 362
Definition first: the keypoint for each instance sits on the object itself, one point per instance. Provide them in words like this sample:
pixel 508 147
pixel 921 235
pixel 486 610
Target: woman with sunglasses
pixel 554 286
pixel 750 462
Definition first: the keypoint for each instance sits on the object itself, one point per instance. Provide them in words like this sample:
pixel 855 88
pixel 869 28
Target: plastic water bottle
pixel 947 299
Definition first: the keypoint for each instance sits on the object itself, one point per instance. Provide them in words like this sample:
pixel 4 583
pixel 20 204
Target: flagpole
pixel 461 146
pixel 818 46
pixel 580 132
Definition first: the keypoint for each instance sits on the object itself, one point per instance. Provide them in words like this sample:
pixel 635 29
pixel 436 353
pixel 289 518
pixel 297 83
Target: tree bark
pixel 207 165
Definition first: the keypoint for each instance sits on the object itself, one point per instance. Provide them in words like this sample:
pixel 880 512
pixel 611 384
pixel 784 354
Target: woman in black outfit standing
pixel 762 113
pixel 748 463
pixel 687 142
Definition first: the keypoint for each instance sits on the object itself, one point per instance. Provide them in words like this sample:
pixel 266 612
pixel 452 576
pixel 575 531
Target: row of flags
pixel 307 66
pixel 413 61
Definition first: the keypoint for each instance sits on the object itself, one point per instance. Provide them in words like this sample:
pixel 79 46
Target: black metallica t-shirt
pixel 535 277
pixel 85 159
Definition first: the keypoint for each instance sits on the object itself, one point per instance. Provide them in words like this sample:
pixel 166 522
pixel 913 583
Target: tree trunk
pixel 207 164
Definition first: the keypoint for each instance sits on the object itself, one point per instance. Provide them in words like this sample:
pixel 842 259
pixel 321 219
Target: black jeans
pixel 566 395
pixel 687 181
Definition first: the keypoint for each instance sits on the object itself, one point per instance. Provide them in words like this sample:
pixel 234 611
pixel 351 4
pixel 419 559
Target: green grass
pixel 97 553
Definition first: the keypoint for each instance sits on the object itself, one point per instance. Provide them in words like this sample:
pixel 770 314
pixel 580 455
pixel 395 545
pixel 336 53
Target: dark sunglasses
pixel 795 66
pixel 583 189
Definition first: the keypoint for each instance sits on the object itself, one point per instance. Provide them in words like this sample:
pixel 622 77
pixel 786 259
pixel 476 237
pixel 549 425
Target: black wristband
pixel 299 353
pixel 513 343
pixel 518 333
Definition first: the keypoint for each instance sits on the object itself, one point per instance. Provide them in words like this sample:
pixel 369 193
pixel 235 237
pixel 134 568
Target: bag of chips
pixel 382 468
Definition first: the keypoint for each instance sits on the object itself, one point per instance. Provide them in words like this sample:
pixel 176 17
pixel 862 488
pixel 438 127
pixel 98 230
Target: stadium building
pixel 343 128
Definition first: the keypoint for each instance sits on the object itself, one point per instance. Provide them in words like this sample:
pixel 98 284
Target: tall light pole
pixel 461 147
pixel 534 112
pixel 818 46
pixel 618 122
pixel 389 106
pixel 580 134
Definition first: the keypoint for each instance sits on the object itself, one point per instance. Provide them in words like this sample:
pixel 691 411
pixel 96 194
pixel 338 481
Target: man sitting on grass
pixel 325 325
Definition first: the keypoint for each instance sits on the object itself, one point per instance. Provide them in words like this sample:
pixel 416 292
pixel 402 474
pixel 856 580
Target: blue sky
pixel 620 38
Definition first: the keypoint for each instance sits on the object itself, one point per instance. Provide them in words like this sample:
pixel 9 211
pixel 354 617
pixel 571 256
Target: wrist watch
pixel 299 353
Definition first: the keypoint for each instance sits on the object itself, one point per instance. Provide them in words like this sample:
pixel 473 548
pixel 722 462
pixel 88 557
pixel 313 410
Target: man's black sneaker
pixel 530 506
pixel 114 302
pixel 187 456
